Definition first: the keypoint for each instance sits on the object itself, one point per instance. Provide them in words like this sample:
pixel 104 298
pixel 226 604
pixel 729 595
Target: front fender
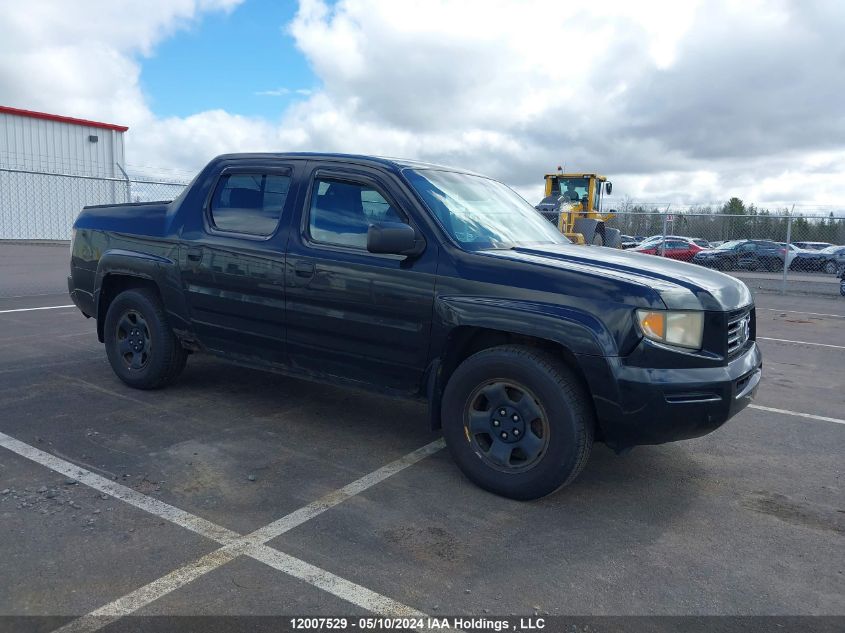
pixel 579 331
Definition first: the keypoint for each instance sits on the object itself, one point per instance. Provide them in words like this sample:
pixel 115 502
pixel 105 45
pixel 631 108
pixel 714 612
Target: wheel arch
pixel 111 286
pixel 465 340
pixel 119 270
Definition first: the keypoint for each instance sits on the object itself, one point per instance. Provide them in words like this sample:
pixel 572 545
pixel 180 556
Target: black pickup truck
pixel 422 282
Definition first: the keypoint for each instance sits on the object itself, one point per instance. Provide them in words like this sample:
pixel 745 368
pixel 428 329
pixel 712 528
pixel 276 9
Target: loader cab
pixel 586 189
pixel 574 203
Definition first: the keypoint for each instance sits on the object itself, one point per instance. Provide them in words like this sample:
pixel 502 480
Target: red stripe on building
pixel 61 119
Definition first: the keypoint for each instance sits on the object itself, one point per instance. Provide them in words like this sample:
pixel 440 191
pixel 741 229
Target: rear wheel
pixel 141 347
pixel 517 421
pixel 613 237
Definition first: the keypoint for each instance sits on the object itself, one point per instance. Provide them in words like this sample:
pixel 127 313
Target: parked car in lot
pixel 813 246
pixel 744 254
pixel 629 241
pixel 834 259
pixel 842 283
pixel 680 248
pixel 805 259
pixel 659 238
pixel 421 282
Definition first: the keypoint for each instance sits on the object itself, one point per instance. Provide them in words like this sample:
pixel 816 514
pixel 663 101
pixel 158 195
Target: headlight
pixel 684 329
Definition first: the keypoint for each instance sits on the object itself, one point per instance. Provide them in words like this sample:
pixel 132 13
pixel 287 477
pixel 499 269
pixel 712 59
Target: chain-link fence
pixel 771 250
pixel 803 246
pixel 43 206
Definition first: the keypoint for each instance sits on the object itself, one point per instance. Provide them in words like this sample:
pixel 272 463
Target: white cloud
pixel 275 92
pixel 677 101
pixel 681 101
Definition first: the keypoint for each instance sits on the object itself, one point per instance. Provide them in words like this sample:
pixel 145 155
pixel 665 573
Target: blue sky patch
pixel 244 62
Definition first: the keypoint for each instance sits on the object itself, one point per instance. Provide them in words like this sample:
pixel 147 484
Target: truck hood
pixel 681 286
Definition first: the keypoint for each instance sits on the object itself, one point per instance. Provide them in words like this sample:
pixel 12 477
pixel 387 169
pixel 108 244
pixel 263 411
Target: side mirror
pixel 608 187
pixel 394 238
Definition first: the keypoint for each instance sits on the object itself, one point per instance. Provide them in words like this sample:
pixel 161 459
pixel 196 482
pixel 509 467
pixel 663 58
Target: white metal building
pixel 50 167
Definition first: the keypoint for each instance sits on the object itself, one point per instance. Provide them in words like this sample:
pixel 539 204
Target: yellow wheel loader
pixel 573 203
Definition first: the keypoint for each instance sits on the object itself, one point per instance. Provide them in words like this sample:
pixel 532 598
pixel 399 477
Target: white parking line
pixel 349 591
pixel 143 596
pixel 31 309
pixel 786 340
pixel 234 545
pixel 132 497
pixel 838 316
pixel 796 413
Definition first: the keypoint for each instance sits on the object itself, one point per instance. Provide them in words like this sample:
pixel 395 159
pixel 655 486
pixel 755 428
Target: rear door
pixel 232 261
pixel 351 313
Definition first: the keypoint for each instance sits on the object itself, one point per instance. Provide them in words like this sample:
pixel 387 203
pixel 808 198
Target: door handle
pixel 195 254
pixel 304 269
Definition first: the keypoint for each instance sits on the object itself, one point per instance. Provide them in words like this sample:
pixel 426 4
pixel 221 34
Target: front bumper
pixel 636 405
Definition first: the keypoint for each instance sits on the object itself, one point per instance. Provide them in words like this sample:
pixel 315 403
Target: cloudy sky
pixel 682 102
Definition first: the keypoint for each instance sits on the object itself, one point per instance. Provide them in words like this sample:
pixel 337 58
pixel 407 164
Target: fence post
pixel 663 242
pixel 128 183
pixel 786 253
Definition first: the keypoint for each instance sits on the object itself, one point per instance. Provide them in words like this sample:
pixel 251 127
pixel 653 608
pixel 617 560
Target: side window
pixel 341 212
pixel 249 203
pixel 750 246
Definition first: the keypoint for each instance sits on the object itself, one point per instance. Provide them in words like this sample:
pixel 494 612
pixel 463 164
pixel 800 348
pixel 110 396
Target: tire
pixel 141 347
pixel 486 385
pixel 613 237
pixel 591 229
pixel 830 267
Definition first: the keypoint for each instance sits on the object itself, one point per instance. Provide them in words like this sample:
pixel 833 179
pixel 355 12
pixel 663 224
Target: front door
pixel 351 313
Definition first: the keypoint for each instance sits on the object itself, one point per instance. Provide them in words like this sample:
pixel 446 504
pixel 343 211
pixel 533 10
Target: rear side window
pixel 249 203
pixel 341 212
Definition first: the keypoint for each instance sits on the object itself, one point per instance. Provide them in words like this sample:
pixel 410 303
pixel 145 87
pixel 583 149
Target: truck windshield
pixel 481 213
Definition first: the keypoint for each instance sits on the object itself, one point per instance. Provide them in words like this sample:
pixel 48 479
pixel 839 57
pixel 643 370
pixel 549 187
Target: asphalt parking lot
pixel 237 492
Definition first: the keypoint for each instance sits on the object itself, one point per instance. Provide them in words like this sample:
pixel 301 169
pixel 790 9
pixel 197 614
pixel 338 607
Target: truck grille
pixel 740 331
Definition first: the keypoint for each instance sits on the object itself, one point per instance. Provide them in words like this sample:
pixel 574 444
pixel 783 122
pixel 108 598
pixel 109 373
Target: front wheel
pixel 830 267
pixel 774 265
pixel 517 421
pixel 141 347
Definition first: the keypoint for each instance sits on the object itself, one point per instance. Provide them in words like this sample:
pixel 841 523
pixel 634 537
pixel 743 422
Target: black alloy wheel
pixel 133 340
pixel 506 426
pixel 517 420
pixel 142 349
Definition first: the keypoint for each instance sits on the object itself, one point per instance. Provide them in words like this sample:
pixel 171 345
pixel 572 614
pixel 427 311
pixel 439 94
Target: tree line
pixel 732 220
